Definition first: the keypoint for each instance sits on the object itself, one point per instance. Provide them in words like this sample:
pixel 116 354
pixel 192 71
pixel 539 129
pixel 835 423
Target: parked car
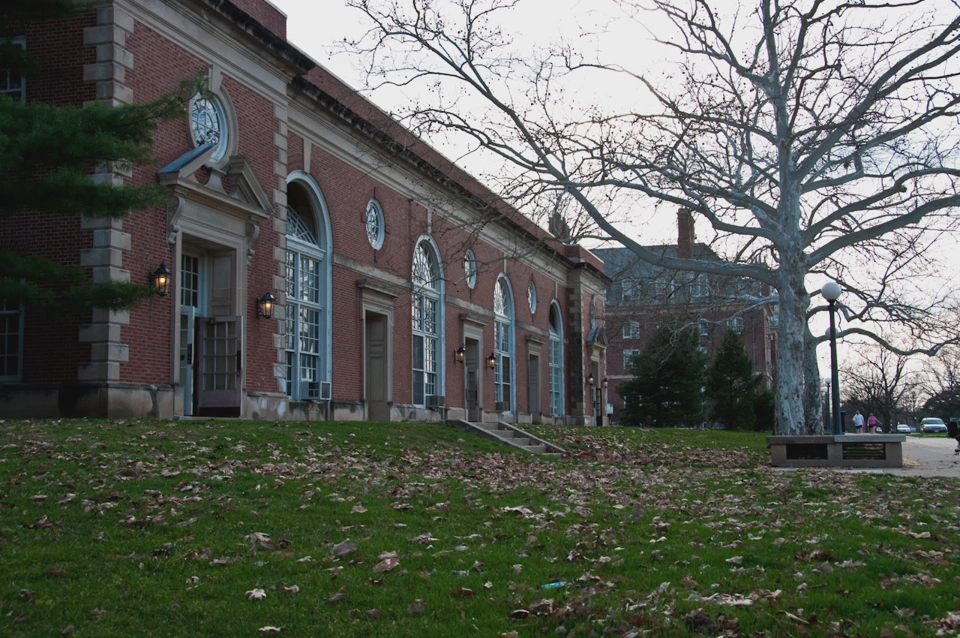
pixel 903 428
pixel 933 424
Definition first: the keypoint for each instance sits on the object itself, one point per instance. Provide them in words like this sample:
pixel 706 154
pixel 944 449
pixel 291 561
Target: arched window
pixel 556 361
pixel 307 338
pixel 503 373
pixel 427 310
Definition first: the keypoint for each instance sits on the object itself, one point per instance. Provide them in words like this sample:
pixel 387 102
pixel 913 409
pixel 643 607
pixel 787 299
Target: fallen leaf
pixel 256 594
pixel 388 562
pixel 344 548
pixel 333 600
pixel 268 629
pixel 462 592
pixel 417 607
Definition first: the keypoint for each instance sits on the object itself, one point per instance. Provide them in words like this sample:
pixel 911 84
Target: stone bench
pixel 842 450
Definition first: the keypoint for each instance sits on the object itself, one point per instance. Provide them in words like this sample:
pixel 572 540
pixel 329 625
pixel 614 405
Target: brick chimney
pixel 685 234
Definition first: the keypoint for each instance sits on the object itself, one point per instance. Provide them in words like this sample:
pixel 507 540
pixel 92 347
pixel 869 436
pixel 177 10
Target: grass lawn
pixel 190 528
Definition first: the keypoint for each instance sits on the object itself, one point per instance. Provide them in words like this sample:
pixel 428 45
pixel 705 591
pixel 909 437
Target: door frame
pixel 197 235
pixel 377 298
pixel 386 371
pixel 472 363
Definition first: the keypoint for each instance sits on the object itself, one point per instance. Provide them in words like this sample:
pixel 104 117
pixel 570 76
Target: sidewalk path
pixel 925 456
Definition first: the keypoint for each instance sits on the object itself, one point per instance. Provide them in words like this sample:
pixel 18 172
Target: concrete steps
pixel 509 435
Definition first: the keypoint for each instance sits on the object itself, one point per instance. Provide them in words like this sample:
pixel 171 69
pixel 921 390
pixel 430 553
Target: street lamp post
pixel 828 381
pixel 831 292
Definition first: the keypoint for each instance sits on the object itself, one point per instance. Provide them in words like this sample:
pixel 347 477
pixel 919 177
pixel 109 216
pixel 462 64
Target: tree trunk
pixel 791 344
pixel 812 402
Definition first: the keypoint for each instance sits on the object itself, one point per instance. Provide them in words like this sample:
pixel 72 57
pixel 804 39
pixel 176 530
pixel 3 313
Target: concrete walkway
pixel 923 456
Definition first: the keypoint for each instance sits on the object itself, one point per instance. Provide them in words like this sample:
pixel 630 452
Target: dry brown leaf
pixel 388 562
pixel 462 592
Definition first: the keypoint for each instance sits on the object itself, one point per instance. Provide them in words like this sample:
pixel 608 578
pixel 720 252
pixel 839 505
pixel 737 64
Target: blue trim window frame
pixel 427 321
pixel 503 345
pixel 11 342
pixel 13 87
pixel 304 339
pixel 374 224
pixel 556 362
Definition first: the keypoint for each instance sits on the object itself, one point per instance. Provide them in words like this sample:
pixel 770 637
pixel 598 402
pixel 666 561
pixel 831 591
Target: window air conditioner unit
pixel 435 401
pixel 502 406
pixel 315 391
pixel 309 391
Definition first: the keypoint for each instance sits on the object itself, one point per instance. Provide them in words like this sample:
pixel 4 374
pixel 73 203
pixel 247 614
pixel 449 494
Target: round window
pixel 375 230
pixel 208 123
pixel 470 269
pixel 532 297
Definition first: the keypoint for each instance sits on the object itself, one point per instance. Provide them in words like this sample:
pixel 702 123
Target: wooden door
pixel 218 366
pixel 378 406
pixel 533 384
pixel 472 380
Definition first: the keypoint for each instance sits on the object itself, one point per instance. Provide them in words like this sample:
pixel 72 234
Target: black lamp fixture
pixel 265 306
pixel 492 361
pixel 831 292
pixel 160 279
pixel 590 379
pixel 604 383
pixel 459 354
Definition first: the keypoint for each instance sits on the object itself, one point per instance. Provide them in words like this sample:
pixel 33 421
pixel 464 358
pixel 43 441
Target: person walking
pixel 858 422
pixel 872 424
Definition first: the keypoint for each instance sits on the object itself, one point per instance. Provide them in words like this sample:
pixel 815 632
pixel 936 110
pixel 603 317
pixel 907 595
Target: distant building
pixel 642 296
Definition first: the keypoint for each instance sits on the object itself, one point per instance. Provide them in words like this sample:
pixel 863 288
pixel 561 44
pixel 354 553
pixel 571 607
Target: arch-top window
pixel 208 124
pixel 503 372
pixel 470 268
pixel 556 362
pixel 427 322
pixel 306 336
pixel 375 224
pixel 300 228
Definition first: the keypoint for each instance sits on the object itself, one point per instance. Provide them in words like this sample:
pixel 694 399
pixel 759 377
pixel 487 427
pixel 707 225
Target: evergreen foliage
pixel 668 378
pixel 765 411
pixel 732 384
pixel 47 157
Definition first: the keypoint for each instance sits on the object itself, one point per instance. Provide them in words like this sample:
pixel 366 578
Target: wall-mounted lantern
pixel 591 379
pixel 265 305
pixel 604 383
pixel 459 354
pixel 160 279
pixel 492 361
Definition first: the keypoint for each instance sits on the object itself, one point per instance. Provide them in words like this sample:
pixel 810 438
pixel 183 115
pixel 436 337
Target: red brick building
pixel 403 289
pixel 641 296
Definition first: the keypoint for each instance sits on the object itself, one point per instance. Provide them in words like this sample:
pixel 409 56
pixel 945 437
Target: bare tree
pixel 880 382
pixel 942 385
pixel 804 133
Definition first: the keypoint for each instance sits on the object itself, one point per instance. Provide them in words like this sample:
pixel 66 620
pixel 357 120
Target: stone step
pixel 509 435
